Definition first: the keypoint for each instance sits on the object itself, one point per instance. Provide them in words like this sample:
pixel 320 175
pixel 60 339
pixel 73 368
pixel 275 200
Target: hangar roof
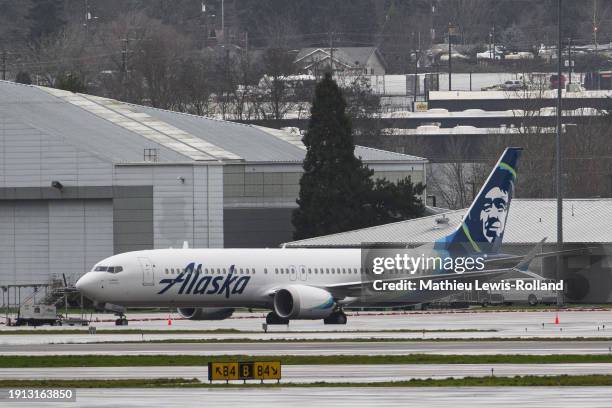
pixel 529 221
pixel 120 131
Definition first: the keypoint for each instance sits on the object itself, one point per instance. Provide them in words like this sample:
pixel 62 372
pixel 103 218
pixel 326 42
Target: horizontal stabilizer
pixel 523 266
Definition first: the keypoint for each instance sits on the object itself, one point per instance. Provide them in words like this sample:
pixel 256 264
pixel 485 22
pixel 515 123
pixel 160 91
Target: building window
pixel 150 155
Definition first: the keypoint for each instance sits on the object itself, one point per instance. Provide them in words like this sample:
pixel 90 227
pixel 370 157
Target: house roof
pixel 351 56
pixel 529 220
pixel 120 131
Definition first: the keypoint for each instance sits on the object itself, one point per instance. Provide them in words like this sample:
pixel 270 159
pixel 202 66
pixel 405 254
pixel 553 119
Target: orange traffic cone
pixel 557 319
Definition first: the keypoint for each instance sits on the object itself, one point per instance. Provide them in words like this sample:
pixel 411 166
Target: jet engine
pixel 303 302
pixel 205 313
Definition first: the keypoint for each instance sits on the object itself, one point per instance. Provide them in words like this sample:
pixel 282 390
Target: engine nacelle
pixel 205 313
pixel 303 302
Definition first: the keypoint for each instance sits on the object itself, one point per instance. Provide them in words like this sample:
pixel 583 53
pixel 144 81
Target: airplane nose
pixel 86 284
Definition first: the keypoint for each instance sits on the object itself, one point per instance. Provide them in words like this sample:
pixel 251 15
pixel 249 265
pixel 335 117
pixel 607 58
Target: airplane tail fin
pixel 482 228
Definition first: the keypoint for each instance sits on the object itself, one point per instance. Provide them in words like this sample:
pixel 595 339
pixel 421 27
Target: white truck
pixel 36 315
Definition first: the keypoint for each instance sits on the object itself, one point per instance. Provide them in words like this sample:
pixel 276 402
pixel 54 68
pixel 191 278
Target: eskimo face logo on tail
pixel 487 220
pixel 191 283
pixel 493 213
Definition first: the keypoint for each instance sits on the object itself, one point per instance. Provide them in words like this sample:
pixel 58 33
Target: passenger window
pixel 276 271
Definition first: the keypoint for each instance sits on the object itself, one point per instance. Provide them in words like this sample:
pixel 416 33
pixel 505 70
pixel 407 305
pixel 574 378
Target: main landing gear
pixel 121 320
pixel 273 318
pixel 337 317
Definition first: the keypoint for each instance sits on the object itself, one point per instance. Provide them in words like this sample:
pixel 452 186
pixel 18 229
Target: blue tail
pixel 482 228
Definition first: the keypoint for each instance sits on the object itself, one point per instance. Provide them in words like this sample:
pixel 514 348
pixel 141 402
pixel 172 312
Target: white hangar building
pixel 84 177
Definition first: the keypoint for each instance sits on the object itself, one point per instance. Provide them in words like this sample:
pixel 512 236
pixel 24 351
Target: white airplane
pixel 295 283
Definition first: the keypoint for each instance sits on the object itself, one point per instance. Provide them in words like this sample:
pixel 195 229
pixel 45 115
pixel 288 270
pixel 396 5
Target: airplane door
pixel 147 271
pixel 303 275
pixel 292 273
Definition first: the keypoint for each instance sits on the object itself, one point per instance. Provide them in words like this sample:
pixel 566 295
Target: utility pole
pixel 125 42
pixel 558 150
pixel 416 68
pixel 450 64
pixel 4 65
pixel 493 40
pixel 595 28
pixel 331 52
pixel 223 20
pixel 569 57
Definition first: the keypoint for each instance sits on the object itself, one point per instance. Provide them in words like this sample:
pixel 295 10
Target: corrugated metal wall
pixel 42 238
pixel 187 202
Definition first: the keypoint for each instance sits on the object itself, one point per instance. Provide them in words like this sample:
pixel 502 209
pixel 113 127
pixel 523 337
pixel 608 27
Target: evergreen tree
pixel 70 82
pixel 336 190
pixel 392 202
pixel 23 77
pixel 335 185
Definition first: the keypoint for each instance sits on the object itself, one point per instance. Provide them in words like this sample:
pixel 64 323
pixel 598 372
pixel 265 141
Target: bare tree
pixel 456 182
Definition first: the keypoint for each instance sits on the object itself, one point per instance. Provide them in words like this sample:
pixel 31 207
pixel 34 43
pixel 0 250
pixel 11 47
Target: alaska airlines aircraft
pixel 298 283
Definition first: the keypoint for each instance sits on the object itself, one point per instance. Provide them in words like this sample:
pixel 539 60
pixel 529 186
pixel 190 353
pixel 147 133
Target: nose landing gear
pixel 121 320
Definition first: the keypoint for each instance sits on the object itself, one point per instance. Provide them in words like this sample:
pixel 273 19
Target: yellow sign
pixel 255 370
pixel 223 371
pixel 421 106
pixel 268 370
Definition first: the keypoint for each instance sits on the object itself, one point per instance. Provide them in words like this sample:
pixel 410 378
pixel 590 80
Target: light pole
pixel 558 151
pixel 450 64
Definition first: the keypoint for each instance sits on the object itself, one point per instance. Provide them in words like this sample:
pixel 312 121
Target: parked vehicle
pixel 513 85
pixel 36 315
pixel 531 297
pixel 554 81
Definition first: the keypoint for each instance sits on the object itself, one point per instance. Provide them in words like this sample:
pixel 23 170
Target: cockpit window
pixel 111 269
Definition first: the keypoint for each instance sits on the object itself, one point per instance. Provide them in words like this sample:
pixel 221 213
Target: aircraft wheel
pixel 335 318
pixel 532 299
pixel 273 318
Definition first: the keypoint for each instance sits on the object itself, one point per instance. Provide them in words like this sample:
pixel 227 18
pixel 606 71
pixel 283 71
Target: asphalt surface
pixel 316 348
pixel 514 324
pixel 316 373
pixel 473 397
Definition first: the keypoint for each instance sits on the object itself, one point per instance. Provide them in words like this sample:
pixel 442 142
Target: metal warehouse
pixel 84 177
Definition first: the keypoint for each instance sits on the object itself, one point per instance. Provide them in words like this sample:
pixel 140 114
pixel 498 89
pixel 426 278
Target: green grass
pixel 518 381
pixel 186 360
pixel 123 383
